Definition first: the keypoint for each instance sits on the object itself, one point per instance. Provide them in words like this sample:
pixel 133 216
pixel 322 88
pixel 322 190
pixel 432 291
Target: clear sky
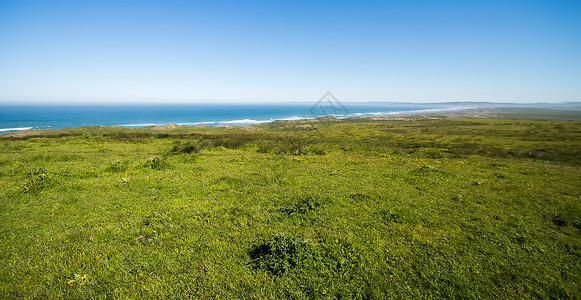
pixel 270 51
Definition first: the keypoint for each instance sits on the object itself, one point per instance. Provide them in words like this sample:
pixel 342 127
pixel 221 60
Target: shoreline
pixel 246 121
pixel 134 117
pixel 525 113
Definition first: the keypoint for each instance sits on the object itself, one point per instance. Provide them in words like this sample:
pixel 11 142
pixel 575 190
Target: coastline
pixel 211 120
pixel 525 113
pixel 18 118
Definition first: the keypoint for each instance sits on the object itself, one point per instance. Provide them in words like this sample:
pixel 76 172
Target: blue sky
pixel 270 51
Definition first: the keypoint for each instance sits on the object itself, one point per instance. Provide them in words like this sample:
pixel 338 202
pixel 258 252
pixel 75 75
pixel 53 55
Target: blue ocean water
pixel 21 117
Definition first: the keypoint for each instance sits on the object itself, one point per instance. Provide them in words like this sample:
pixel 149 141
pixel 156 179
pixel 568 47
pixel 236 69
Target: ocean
pixel 15 117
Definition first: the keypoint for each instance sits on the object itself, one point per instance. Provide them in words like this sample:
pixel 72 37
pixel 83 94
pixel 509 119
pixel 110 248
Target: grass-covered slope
pixel 471 208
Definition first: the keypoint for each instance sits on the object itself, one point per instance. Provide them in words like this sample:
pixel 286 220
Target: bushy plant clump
pixel 278 253
pixel 155 162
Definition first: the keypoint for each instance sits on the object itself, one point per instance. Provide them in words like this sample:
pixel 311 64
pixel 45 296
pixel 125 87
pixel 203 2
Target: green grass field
pixel 457 208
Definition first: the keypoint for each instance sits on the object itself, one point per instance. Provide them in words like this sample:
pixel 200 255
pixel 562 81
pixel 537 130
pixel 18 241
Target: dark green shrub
pixel 307 204
pixel 303 205
pixel 187 147
pixel 192 146
pixel 156 162
pixel 278 253
pixel 117 166
pixel 233 141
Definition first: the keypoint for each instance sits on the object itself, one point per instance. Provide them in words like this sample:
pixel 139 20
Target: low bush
pixel 303 205
pixel 187 147
pixel 278 253
pixel 307 204
pixel 155 162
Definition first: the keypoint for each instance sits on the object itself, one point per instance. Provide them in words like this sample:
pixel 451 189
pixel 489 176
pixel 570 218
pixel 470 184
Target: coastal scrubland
pixel 325 208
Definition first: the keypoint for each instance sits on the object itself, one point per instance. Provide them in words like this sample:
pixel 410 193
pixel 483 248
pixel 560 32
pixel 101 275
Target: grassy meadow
pixel 315 209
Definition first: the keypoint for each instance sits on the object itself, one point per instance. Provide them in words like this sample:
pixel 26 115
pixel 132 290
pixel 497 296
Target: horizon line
pixel 231 102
